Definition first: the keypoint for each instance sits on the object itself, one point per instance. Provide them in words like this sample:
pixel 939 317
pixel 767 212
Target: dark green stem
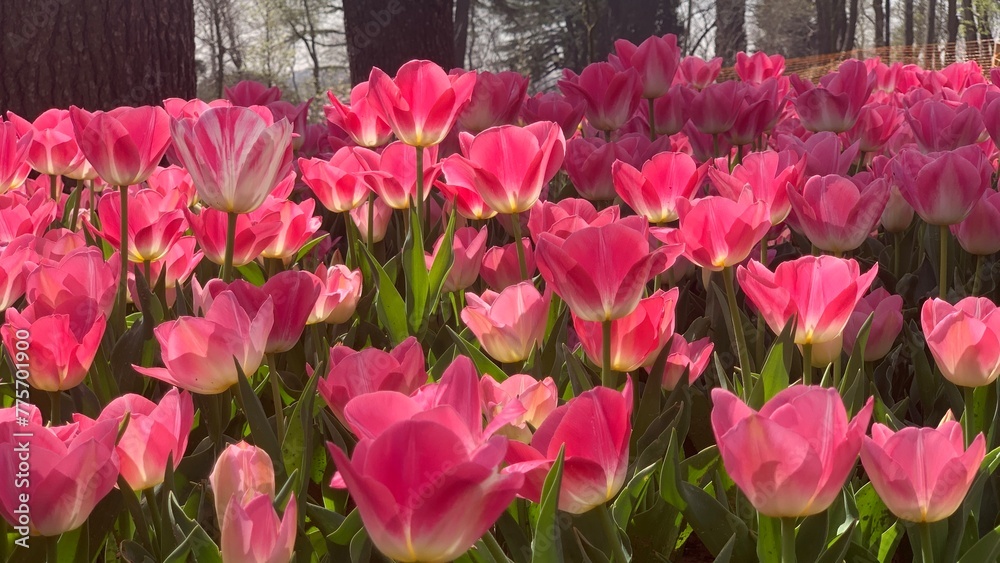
pixel 969 418
pixel 734 312
pixel 78 193
pixel 54 187
pixel 515 220
pixel 807 366
pixel 52 549
pixel 897 252
pixel 943 273
pixel 55 413
pixel 227 264
pixel 788 540
pixel 371 220
pixel 279 408
pixel 652 120
pixel 926 545
pixel 420 187
pixel 611 530
pixel 759 349
pixel 977 281
pixel 606 373
pixel 494 548
pixel 123 256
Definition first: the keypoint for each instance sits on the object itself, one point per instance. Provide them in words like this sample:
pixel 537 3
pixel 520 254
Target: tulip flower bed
pixel 654 316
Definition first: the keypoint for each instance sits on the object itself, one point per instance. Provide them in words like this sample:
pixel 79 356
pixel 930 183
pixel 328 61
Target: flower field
pixel 648 316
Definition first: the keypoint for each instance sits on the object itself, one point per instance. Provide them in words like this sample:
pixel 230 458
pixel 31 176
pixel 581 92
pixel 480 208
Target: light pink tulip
pixel 656 60
pixel 552 106
pixel 719 232
pixel 340 290
pixel 360 119
pixel 467 257
pixel 125 144
pixel 819 292
pixel 697 72
pixel 52 149
pixel 664 180
pixel 397 186
pixel 567 216
pixel 14 167
pixel 248 93
pixel 509 324
pixel 837 102
pixel 175 184
pixel 537 399
pixel 964 339
pixel 253 533
pixel 692 357
pixel 922 474
pixel 381 213
pixel 500 267
pixel 942 126
pixel 943 187
pixel 768 175
pixel 792 458
pixel 758 67
pixel 154 224
pixel 81 273
pixel 253 234
pixel 836 213
pixel 461 188
pixel 341 183
pixel 155 432
pixel 298 225
pixel 979 232
pixel 242 473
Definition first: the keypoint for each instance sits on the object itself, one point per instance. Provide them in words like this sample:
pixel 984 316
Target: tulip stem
pixel 54 187
pixel 943 273
pixel 78 193
pixel 612 531
pixel 420 186
pixel 279 411
pixel 807 366
pixel 759 349
pixel 788 540
pixel 521 262
pixel 371 221
pixel 353 260
pixel 123 256
pixel 52 549
pixel 55 412
pixel 606 373
pixel 969 419
pixel 734 313
pixel 897 252
pixel 494 548
pixel 652 120
pixel 227 264
pixel 977 280
pixel 926 545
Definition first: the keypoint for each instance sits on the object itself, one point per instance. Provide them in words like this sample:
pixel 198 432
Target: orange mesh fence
pixel 986 52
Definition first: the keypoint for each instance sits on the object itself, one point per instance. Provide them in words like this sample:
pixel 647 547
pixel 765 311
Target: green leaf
pixel 768 539
pixel 874 519
pixel 889 542
pixel 726 554
pixel 252 273
pixel 546 546
pixel 309 246
pixel 834 553
pixel 774 374
pixel 579 375
pixel 714 524
pixel 440 267
pixel 631 495
pixel 347 529
pixel 483 364
pixel 298 437
pixel 851 385
pixel 390 305
pixel 415 272
pixel 986 549
pixel 670 475
pixel 260 428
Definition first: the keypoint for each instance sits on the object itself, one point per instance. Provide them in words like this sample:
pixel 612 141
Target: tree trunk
pixel 952 30
pixel 388 33
pixel 930 54
pixel 463 9
pixel 825 32
pixel 969 30
pixel 96 54
pixel 879 24
pixel 888 24
pixel 730 29
pixel 908 29
pixel 852 25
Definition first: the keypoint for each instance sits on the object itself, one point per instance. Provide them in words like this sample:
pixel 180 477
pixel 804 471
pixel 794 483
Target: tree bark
pixel 969 30
pixel 952 29
pixel 96 54
pixel 730 29
pixel 852 25
pixel 463 9
pixel 879 24
pixel 908 29
pixel 387 33
pixel 931 40
pixel 888 24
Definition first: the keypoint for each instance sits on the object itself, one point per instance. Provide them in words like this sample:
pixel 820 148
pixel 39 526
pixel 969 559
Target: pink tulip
pixel 442 501
pixel 179 107
pixel 768 175
pixel 253 234
pixel 897 215
pixel 175 267
pixel 500 268
pixel 836 213
pixel 535 399
pixel 62 342
pixel 589 162
pixel 52 149
pixel 611 96
pixel 759 110
pixel 594 427
pixel 697 72
pixel 398 186
pixel 991 119
pixel 718 232
pixel 567 216
pixel 512 164
pixel 340 290
pixel 200 354
pixel 422 103
pixel 125 144
pixel 81 273
pixel 942 126
pixel 296 115
pixel 71 469
pixel 758 67
pixel 551 106
pixel 886 323
pixel 355 373
pixel 16 262
pixel 821 293
pixel 468 249
pixel 876 125
pixel 979 232
pixel 601 271
pixel 496 100
pixel 252 532
pixel 461 188
pixel 235 156
pixel 360 120
pixel 656 60
pixel 665 179
pixel 154 225
pixel 684 356
pixel 511 324
pixel 248 93
pixel 20 215
pixel 637 338
pixel 922 474
pixel 670 112
pixel 298 225
pixel 242 473
pixel 154 433
pixel 175 184
pixel 792 458
pixel 964 339
pixel 837 102
pixel 381 213
pixel 14 149
pixel 824 153
pixel 340 184
pixel 943 187
pixel 716 107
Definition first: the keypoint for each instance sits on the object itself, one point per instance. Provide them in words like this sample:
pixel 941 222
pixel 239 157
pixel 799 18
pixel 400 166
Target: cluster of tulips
pixel 455 322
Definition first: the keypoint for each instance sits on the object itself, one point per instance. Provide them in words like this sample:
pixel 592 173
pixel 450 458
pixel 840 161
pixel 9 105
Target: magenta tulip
pixel 664 180
pixel 836 213
pixel 125 144
pixel 511 324
pixel 636 338
pixel 718 232
pixel 887 321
